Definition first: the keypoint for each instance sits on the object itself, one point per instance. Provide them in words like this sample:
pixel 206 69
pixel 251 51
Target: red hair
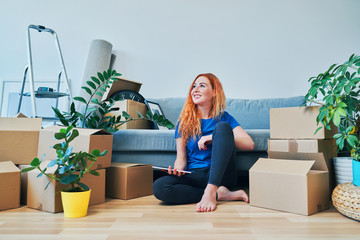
pixel 189 120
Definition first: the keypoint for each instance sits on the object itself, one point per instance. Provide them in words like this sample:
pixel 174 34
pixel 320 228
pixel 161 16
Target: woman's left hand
pixel 204 140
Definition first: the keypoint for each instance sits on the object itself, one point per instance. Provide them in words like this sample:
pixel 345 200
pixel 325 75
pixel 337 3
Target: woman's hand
pixel 175 172
pixel 204 140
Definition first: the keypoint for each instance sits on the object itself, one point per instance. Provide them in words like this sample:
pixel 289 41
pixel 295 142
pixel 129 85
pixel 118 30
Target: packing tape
pixel 293 145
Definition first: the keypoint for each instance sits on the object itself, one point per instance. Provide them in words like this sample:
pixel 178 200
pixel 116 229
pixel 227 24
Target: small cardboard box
pixel 131 107
pixel 298 186
pixel 20 136
pixel 9 185
pixel 129 180
pixel 325 146
pixel 121 84
pixel 49 199
pixel 87 140
pixel 297 123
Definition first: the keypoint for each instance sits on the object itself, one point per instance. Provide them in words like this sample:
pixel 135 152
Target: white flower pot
pixel 343 169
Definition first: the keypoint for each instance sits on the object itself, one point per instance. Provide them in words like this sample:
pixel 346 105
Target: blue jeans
pixel 189 188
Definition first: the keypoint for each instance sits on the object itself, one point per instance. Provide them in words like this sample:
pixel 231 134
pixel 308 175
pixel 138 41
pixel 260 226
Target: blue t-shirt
pixel 202 158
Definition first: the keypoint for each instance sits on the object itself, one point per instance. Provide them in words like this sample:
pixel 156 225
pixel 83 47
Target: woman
pixel 206 141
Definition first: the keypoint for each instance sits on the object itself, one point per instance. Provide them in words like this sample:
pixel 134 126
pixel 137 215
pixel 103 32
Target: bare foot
pixel 225 194
pixel 208 201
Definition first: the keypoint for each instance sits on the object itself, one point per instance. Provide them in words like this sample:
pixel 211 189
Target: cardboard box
pixel 121 84
pixel 87 140
pixel 131 107
pixel 298 186
pixel 325 146
pixel 129 180
pixel 9 185
pixel 49 199
pixel 20 136
pixel 297 123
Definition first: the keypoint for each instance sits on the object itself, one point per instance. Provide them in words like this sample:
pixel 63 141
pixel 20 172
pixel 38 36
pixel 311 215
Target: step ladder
pixel 29 71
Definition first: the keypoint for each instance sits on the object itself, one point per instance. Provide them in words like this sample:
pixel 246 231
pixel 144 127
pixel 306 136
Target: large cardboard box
pixel 131 107
pixel 325 146
pixel 9 185
pixel 298 185
pixel 87 140
pixel 297 123
pixel 20 136
pixel 49 199
pixel 129 180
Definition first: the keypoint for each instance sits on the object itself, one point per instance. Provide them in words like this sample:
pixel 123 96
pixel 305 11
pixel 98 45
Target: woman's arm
pixel 181 160
pixel 242 140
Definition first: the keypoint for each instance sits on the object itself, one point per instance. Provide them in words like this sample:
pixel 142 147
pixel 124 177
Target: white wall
pixel 258 48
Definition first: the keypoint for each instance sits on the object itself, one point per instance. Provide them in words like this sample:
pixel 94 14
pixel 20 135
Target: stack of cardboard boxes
pixel 298 175
pixel 24 139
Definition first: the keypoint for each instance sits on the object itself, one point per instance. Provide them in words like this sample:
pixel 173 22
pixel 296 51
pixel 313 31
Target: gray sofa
pixel 157 147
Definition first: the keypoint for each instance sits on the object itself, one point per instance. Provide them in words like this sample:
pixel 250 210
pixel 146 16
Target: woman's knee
pixel 223 128
pixel 161 188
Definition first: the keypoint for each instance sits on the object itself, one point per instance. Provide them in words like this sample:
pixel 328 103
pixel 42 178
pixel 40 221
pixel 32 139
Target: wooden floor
pixel 147 218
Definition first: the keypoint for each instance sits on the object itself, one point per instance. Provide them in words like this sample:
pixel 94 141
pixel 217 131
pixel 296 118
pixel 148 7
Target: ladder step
pixel 46 94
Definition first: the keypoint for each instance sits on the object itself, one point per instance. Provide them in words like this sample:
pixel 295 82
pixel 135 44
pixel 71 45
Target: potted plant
pixel 71 167
pixel 95 114
pixel 338 92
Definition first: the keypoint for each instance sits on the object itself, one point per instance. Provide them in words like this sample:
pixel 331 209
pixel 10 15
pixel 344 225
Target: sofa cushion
pixel 250 113
pixel 140 140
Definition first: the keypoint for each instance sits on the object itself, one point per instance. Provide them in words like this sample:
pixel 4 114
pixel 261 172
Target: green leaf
pixel 83 186
pixel 317 130
pixel 103 153
pixel 101 77
pixel 74 134
pixel 87 90
pixel 91 84
pixel 95 152
pixel 95 80
pixel 140 115
pixel 106 76
pixel 336 118
pixel 126 115
pixel 95 173
pixel 94 100
pixel 69 179
pixel 80 99
pixel 27 169
pixel 99 94
pixel 60 136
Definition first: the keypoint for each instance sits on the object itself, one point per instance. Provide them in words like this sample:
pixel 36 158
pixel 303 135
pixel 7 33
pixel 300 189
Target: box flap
pixel 126 165
pixel 82 131
pixel 20 124
pixel 121 84
pixel 283 166
pixel 20 115
pixel 8 166
pixel 320 163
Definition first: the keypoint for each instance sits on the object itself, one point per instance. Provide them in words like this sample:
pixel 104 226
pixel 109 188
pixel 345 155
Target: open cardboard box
pixel 297 123
pixel 121 84
pixel 49 199
pixel 20 136
pixel 9 185
pixel 290 182
pixel 87 140
pixel 129 180
pixel 325 146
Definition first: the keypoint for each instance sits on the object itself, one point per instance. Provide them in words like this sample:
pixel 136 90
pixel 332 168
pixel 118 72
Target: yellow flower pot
pixel 75 204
